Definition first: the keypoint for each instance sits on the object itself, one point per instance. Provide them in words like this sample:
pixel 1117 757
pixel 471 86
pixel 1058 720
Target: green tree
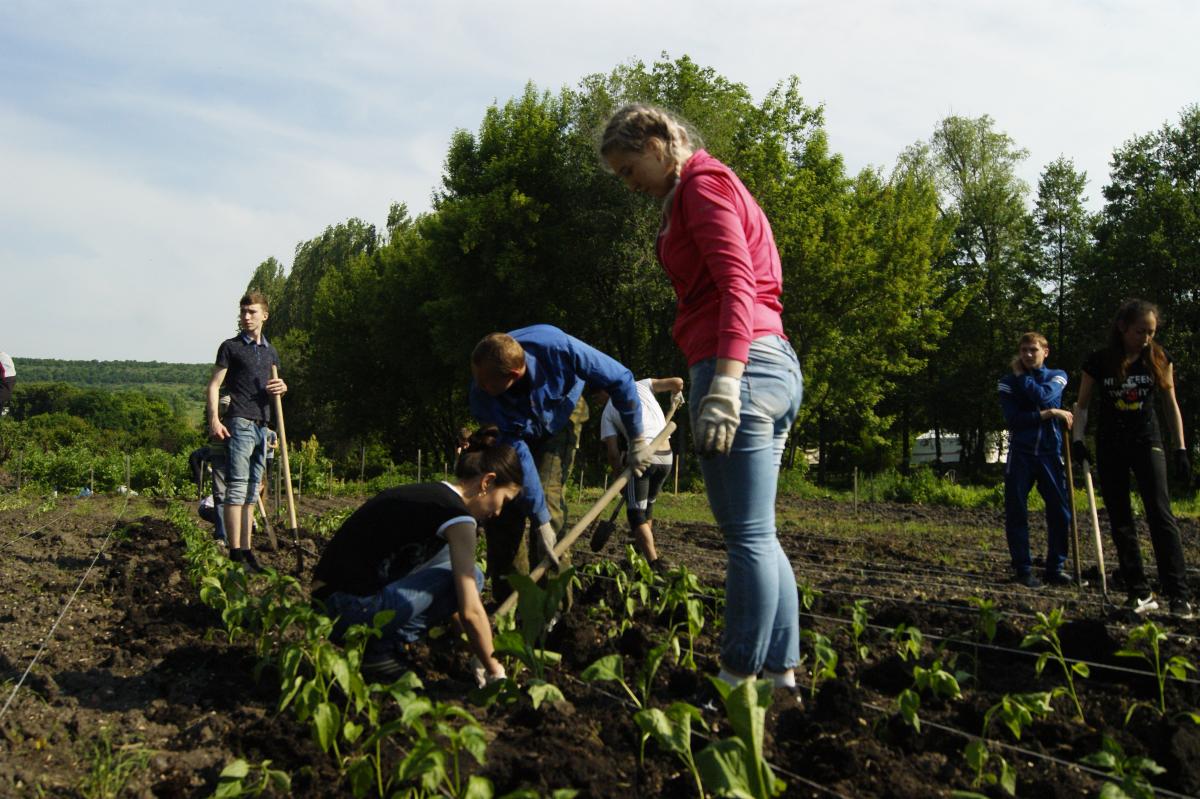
pixel 1061 238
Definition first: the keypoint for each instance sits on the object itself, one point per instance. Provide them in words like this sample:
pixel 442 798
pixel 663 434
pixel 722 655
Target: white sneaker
pixel 1143 605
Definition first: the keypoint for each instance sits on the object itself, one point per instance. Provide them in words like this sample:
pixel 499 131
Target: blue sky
pixel 153 154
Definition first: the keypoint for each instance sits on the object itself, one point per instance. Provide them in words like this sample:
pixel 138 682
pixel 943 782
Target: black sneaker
pixel 1029 580
pixel 1182 609
pixel 661 565
pixel 251 563
pixel 383 667
pixel 1061 579
pixel 1141 605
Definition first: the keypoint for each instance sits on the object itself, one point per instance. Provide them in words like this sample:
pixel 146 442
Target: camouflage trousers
pixel 509 538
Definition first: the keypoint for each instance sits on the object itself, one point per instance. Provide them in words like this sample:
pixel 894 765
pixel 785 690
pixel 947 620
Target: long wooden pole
pixel 1091 494
pixel 1074 514
pixel 287 477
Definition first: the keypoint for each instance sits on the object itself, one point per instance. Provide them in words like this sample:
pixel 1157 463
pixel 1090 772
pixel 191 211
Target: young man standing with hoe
pixel 243 367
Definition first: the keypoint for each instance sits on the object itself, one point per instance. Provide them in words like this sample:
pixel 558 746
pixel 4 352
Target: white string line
pixel 625 700
pixel 55 520
pixel 1027 752
pixel 1069 599
pixel 997 648
pixel 951 638
pixel 49 635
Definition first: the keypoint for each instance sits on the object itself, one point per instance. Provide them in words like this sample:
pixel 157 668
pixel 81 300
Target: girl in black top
pixel 1127 376
pixel 411 550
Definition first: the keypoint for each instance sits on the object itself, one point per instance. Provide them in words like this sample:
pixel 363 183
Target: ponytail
pixel 485 455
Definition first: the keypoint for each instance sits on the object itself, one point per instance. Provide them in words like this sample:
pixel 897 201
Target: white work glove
pixel 677 399
pixel 720 412
pixel 640 455
pixel 482 678
pixel 548 539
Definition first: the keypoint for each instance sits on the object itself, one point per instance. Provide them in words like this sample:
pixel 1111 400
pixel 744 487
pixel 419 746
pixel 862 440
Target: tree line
pixel 905 287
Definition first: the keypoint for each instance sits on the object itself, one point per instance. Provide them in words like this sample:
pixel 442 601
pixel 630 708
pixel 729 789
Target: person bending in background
pixel 641 491
pixel 8 379
pixel 1031 398
pixel 1126 377
pixel 529 383
pixel 411 550
pixel 243 368
pixel 717 248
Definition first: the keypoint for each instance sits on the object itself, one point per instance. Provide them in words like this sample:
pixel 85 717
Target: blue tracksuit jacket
pixel 559 368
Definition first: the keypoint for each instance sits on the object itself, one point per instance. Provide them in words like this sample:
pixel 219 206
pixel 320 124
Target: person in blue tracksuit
pixel 1031 398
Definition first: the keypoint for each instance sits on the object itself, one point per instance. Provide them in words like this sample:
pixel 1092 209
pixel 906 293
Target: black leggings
pixel 1148 463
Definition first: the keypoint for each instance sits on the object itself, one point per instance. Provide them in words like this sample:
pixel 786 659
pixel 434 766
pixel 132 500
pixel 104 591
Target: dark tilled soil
pixel 135 667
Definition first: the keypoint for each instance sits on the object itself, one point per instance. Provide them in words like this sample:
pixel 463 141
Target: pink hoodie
pixel 719 252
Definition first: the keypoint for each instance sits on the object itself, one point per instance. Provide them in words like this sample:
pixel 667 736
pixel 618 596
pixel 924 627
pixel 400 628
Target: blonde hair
pixel 632 125
pixel 499 353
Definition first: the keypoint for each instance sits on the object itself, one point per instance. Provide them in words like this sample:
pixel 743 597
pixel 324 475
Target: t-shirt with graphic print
pixel 1126 406
pixel 394 533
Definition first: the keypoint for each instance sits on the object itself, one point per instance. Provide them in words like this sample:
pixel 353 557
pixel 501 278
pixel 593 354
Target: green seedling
pixel 672 731
pixel 110 769
pixel 1018 711
pixel 825 658
pixel 858 626
pixel 443 733
pixel 1045 633
pixel 1145 642
pixel 735 766
pixel 908 705
pixel 1127 774
pixel 611 668
pixel 241 778
pixel 937 681
pixel 808 595
pixel 910 642
pixel 680 594
pixel 527 644
pixel 990 770
pixel 987 619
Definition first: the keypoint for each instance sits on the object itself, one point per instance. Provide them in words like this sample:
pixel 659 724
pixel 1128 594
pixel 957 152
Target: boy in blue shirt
pixel 1031 398
pixel 243 367
pixel 529 383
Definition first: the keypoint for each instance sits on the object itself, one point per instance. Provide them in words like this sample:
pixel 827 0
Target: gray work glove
pixel 640 455
pixel 549 539
pixel 482 678
pixel 720 413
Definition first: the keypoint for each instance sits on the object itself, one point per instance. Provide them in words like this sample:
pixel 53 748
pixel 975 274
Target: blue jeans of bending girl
pixel 421 599
pixel 762 610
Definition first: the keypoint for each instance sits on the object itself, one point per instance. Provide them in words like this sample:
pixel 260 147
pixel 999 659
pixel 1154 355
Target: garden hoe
pixel 287 479
pixel 1074 515
pixel 267 523
pixel 1091 494
pixel 604 529
pixel 581 526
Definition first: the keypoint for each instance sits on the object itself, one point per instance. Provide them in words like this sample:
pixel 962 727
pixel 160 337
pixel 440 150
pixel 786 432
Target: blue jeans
pixel 246 454
pixel 422 598
pixel 762 611
pixel 1022 471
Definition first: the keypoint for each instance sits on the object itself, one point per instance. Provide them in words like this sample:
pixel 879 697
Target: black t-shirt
pixel 392 534
pixel 1126 408
pixel 249 366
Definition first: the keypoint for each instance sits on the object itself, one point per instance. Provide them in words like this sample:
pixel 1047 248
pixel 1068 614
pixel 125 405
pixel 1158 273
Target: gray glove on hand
pixel 640 455
pixel 548 539
pixel 720 413
pixel 482 678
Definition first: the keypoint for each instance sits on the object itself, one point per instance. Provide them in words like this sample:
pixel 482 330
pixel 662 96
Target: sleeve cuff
pixel 737 349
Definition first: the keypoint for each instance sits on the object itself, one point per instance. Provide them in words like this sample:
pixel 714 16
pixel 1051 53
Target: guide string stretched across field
pixel 34 531
pixel 66 607
pixel 1100 775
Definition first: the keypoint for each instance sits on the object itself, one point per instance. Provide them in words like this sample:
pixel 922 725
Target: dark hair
pixel 255 297
pixel 1131 311
pixel 483 455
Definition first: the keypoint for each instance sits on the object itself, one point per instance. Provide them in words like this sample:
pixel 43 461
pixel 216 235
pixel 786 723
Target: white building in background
pixel 924 449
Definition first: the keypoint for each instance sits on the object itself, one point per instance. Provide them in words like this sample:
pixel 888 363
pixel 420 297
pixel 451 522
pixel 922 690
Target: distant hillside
pixel 180 384
pixel 112 374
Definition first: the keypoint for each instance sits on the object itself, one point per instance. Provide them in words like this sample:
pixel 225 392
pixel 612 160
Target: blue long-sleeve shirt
pixel 558 368
pixel 1023 398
